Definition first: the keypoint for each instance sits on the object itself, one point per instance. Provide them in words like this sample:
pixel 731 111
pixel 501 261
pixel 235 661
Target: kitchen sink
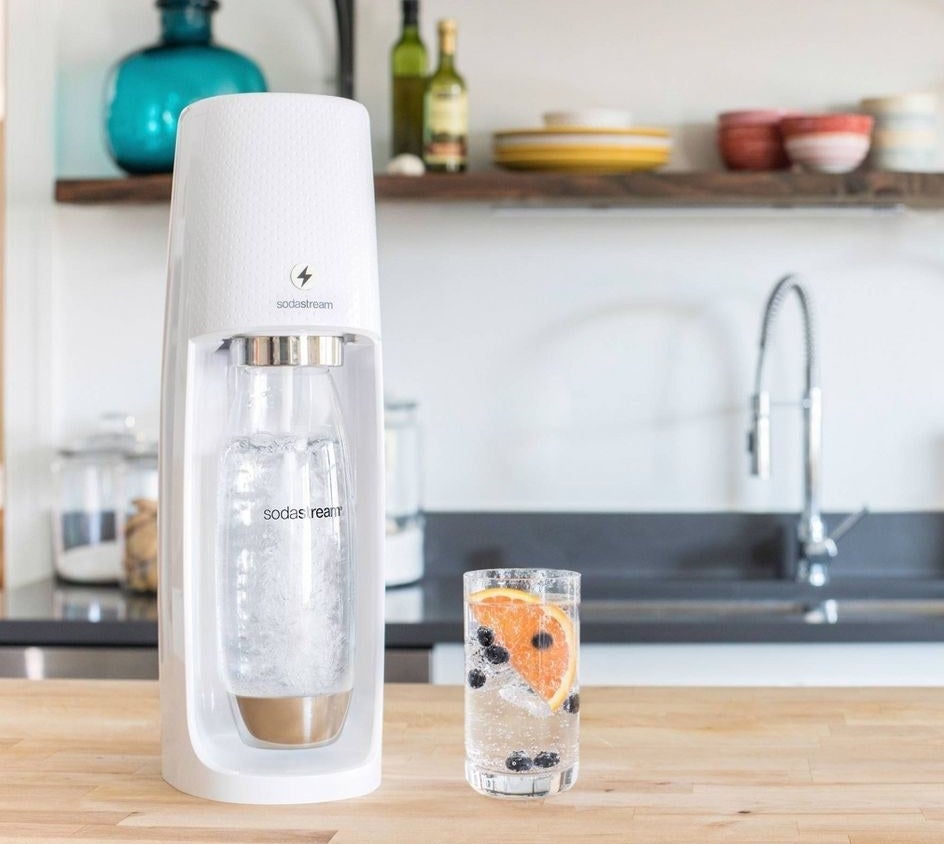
pixel 825 610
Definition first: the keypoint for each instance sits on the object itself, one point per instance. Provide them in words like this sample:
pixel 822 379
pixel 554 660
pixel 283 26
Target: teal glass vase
pixel 147 90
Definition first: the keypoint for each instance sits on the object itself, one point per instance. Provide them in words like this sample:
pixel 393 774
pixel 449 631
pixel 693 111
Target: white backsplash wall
pixel 605 362
pixel 562 360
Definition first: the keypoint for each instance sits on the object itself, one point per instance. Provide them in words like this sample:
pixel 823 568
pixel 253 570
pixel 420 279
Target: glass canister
pixel 140 527
pixel 148 89
pixel 403 557
pixel 89 509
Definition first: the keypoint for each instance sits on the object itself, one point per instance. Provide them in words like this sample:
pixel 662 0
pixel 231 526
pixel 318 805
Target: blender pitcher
pixel 284 568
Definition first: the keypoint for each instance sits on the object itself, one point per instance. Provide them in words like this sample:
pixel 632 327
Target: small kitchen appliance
pixel 272 506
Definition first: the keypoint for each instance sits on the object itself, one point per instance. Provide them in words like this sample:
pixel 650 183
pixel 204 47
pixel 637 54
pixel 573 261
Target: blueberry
pixel 496 654
pixel 518 761
pixel 476 678
pixel 547 759
pixel 572 704
pixel 542 641
pixel 485 636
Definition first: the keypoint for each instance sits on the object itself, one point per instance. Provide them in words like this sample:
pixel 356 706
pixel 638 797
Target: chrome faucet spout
pixel 815 548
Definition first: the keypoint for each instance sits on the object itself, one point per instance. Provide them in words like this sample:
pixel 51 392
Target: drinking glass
pixel 522 694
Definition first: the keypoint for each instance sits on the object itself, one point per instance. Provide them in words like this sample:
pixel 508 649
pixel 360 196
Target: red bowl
pixel 806 124
pixel 770 133
pixel 756 146
pixel 766 154
pixel 751 117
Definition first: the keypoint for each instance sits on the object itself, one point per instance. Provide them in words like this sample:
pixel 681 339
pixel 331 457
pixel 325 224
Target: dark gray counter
pixel 647 578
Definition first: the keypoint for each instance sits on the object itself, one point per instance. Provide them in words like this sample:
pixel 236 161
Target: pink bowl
pixel 816 123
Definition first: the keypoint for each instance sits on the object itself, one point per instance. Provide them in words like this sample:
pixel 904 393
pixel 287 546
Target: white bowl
pixel 828 152
pixel 905 159
pixel 590 118
pixel 902 104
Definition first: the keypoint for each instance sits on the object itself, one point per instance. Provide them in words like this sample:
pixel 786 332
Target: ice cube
pixel 520 695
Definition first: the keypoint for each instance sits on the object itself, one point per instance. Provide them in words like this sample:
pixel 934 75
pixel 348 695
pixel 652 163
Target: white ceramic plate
pixel 601 118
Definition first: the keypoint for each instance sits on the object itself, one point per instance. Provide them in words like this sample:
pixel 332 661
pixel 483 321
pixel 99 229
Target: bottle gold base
pixel 294 721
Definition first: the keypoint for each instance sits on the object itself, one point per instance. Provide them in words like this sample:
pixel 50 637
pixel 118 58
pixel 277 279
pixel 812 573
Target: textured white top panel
pixel 264 183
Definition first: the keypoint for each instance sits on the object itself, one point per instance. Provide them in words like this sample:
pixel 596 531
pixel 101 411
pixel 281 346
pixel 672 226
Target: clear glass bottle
pixel 285 567
pixel 446 109
pixel 409 65
pixel 147 90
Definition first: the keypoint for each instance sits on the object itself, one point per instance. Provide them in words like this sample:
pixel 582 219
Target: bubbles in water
pixel 284 584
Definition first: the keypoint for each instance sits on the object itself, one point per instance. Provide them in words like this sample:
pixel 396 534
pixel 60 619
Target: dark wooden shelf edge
pixel 673 190
pixel 133 190
pixel 631 190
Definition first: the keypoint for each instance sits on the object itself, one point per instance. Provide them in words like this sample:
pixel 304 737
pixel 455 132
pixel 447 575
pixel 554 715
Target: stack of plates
pixel 582 149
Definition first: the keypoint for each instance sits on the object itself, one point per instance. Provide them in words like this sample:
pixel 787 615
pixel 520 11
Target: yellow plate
pixel 576 142
pixel 609 158
pixel 578 162
pixel 583 166
pixel 652 131
pixel 580 151
pixel 597 164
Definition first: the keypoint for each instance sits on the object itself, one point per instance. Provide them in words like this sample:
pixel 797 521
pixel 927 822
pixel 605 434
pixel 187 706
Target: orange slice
pixel 539 638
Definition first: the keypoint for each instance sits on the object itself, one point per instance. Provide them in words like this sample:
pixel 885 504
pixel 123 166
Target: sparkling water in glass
pixel 522 693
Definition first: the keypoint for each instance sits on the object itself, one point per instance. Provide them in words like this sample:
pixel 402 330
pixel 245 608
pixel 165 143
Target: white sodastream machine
pixel 272 510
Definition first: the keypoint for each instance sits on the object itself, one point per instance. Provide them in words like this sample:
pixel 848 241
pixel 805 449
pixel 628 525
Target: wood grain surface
pixel 79 762
pixel 783 188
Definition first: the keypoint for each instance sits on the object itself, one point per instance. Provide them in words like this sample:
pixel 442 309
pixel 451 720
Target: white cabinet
pixel 877 664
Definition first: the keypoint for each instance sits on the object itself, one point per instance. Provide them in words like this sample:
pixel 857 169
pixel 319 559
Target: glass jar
pixel 88 515
pixel 403 553
pixel 139 555
pixel 147 90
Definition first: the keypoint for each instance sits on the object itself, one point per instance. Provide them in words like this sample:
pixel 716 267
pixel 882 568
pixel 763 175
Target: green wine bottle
pixel 446 110
pixel 410 65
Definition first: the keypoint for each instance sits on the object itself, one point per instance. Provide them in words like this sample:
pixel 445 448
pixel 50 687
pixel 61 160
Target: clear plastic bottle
pixel 285 564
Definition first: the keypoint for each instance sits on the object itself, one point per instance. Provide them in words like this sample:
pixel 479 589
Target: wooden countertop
pixel 79 762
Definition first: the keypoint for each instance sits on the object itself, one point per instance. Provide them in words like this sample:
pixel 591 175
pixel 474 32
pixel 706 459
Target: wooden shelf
pixel 782 189
pixel 132 190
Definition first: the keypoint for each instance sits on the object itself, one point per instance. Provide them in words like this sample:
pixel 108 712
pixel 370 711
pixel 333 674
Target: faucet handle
pixel 758 438
pixel 848 523
pixel 827 545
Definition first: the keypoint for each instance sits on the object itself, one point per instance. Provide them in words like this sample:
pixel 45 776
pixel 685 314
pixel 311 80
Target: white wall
pixel 28 288
pixel 565 360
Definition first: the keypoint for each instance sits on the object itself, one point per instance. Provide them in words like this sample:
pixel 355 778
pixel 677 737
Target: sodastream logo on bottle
pixel 270 514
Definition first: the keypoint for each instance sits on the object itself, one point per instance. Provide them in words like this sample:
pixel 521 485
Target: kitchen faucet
pixel 815 546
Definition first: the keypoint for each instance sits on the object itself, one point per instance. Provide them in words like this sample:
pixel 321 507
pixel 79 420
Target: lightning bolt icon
pixel 303 276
